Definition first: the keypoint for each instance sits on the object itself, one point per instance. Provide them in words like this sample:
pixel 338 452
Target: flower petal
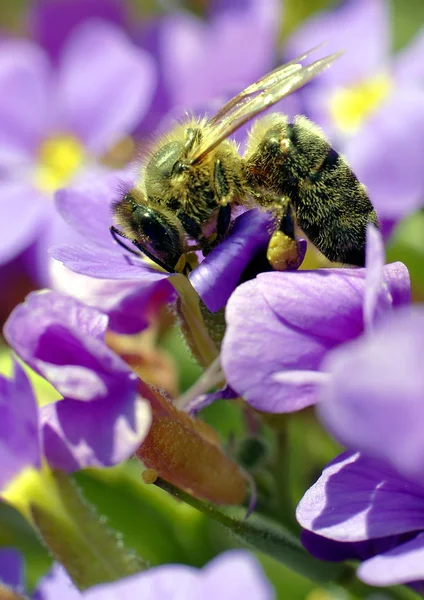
pixel 384 400
pixel 129 305
pixel 87 206
pixel 19 436
pixel 395 180
pixel 117 71
pixel 219 273
pixel 11 569
pixel 24 73
pixel 203 60
pixel 24 211
pixel 358 498
pixel 103 264
pixel 377 295
pixel 330 550
pixel 56 584
pixel 63 340
pixel 233 574
pixel 51 23
pixel 103 433
pixel 338 29
pixel 288 321
pixel 402 564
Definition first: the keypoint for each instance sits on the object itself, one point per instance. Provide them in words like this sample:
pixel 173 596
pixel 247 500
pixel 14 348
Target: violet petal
pixel 56 584
pixel 63 340
pixel 219 273
pixel 23 225
pixel 129 305
pixel 395 183
pixel 402 564
pixel 126 76
pixel 87 205
pixel 358 498
pixel 11 569
pixel 19 434
pixel 24 73
pixel 234 574
pixel 377 296
pixel 100 433
pixel 384 398
pixel 51 23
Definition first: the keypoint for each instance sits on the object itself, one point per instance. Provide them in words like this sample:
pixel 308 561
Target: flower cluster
pixel 369 502
pixel 100 420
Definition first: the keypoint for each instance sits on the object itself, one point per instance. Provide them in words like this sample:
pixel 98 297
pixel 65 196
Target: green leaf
pixel 159 529
pixel 79 538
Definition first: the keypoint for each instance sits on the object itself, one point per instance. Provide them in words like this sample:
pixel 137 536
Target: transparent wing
pixel 256 98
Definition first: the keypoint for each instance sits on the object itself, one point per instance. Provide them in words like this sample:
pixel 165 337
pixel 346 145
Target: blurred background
pixel 198 54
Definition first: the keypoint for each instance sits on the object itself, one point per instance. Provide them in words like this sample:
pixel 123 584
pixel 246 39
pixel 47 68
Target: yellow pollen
pixel 351 106
pixel 59 158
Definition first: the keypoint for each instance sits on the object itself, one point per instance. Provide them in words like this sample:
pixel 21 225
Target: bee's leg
pixel 282 253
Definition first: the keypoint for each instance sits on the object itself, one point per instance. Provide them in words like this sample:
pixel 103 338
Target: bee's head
pixel 151 228
pixel 170 179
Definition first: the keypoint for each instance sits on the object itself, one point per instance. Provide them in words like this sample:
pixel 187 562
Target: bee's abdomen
pixel 332 207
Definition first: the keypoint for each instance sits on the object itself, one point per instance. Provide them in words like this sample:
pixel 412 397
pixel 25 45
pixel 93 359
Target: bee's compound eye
pixel 157 234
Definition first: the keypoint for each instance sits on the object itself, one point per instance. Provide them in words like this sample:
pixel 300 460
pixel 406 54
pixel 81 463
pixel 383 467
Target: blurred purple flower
pixel 95 96
pixel 50 22
pixel 101 419
pixel 281 325
pixel 370 504
pixel 232 574
pixel 370 103
pixel 203 62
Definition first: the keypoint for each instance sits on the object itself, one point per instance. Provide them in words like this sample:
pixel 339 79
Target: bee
pixel 194 178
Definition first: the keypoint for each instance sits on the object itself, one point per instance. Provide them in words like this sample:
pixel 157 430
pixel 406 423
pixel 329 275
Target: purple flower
pixel 51 23
pixel 131 290
pixel 233 574
pixel 362 100
pixel 101 419
pixel 281 325
pixel 202 62
pixel 369 502
pixel 61 135
pixel 19 431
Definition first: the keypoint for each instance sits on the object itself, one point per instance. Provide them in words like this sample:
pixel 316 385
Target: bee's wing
pixel 256 98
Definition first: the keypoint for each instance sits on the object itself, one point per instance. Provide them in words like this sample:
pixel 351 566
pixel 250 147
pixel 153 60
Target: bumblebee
pixel 194 178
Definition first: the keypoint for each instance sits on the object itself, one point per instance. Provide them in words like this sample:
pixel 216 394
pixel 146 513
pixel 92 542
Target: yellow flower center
pixel 59 158
pixel 349 107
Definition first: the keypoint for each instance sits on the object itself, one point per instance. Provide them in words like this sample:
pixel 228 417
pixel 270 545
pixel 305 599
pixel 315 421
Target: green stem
pixel 194 327
pixel 267 537
pixel 283 508
pixel 270 538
